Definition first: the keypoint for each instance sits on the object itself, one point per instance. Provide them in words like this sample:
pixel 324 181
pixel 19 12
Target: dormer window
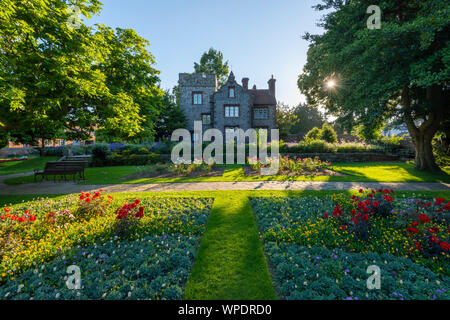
pixel 231 92
pixel 197 98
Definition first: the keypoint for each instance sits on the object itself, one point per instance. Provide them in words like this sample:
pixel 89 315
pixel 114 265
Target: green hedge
pixel 131 160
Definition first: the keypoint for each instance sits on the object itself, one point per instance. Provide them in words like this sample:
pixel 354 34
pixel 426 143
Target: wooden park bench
pixel 62 168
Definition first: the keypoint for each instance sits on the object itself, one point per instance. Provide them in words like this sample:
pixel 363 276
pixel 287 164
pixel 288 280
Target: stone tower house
pixel 229 107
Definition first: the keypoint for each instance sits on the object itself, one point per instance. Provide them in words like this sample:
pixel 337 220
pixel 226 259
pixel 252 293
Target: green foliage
pixel 316 146
pixel 397 72
pixel 313 134
pixel 170 118
pixel 59 81
pixel 99 155
pixel 308 118
pixel 212 62
pixel 328 134
pixel 286 119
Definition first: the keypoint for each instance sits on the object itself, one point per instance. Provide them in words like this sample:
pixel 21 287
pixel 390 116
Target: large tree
pixel 128 68
pixel 212 62
pixel 308 118
pixel 365 76
pixel 170 118
pixel 55 77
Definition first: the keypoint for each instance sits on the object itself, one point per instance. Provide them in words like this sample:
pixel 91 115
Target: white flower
pixel 57 295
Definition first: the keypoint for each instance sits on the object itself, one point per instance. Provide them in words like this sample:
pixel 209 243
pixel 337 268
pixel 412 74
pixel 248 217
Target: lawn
pixel 229 263
pixel 13 167
pixel 356 172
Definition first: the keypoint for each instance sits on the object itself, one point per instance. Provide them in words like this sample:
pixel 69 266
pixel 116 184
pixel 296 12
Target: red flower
pixel 367 202
pixel 428 204
pixel 386 191
pixel 343 227
pixel 365 217
pixel 376 204
pixel 354 220
pixel 433 230
pixel 447 206
pixel 325 215
pixel 445 245
pixel 412 230
pixel 439 201
pixel 415 224
pixel 32 218
pixel 380 190
pixel 424 218
pixel 435 240
pixel 21 219
pixel 88 200
pixel 418 246
pixel 360 190
pixel 7 209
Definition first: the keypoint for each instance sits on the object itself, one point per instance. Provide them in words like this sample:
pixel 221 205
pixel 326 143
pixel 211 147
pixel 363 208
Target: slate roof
pixel 262 96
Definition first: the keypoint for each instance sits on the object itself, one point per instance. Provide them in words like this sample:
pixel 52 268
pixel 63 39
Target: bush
pixel 313 134
pixel 99 155
pixel 328 134
pixel 53 151
pixel 352 147
pixel 131 160
pixel 391 144
pixel 316 146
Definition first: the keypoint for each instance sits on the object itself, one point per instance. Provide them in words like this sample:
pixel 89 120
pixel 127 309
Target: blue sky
pixel 258 37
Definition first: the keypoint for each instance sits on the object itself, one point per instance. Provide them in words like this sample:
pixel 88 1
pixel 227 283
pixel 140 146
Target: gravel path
pixel 70 187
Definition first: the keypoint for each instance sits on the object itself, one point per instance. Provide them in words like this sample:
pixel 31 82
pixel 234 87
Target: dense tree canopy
pixel 308 118
pixel 365 76
pixel 212 62
pixel 58 79
pixel 286 119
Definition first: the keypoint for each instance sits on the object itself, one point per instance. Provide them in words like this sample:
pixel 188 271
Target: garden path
pixel 49 187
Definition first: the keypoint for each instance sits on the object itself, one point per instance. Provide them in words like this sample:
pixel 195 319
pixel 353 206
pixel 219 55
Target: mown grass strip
pixel 230 263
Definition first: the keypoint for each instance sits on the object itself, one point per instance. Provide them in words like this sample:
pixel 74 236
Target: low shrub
pixel 116 159
pixel 313 134
pixel 316 146
pixel 328 134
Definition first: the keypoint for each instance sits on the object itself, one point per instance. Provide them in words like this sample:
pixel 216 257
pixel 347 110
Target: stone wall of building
pixel 189 83
pixel 242 98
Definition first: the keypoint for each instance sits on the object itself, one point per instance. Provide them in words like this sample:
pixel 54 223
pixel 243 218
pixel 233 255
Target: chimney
pixel 245 83
pixel 271 83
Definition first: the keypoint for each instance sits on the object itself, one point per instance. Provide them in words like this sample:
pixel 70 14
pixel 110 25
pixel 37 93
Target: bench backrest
pixel 78 165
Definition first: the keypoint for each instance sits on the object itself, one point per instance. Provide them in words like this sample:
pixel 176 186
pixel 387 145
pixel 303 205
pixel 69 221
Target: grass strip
pixel 230 263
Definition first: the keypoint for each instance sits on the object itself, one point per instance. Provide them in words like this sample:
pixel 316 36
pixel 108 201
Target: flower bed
pixel 143 249
pixel 12 160
pixel 368 232
pixel 293 167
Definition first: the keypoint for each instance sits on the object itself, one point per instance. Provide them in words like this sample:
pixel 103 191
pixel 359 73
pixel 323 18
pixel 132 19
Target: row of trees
pixel 57 81
pixel 399 72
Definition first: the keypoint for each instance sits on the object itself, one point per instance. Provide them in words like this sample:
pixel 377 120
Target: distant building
pixel 229 107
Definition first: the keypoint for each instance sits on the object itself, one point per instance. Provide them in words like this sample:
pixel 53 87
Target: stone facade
pixel 231 106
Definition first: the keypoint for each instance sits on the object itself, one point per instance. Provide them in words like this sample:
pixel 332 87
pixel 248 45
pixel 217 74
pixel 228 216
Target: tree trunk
pixel 424 152
pixel 422 136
